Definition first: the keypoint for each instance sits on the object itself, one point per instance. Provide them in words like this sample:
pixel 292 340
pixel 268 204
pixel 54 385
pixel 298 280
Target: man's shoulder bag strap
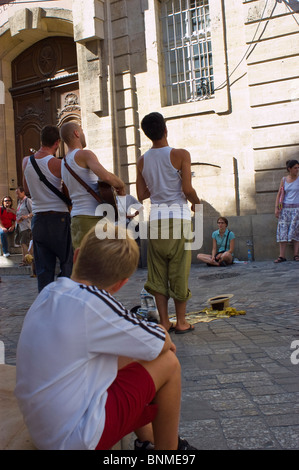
pixel 80 180
pixel 42 177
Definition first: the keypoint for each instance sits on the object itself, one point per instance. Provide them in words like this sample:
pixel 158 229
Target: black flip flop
pixel 182 332
pixel 171 328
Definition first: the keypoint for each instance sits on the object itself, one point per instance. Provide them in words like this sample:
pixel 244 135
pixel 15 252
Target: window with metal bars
pixel 187 50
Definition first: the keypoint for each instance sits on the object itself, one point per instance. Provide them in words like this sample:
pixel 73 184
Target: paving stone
pixel 240 389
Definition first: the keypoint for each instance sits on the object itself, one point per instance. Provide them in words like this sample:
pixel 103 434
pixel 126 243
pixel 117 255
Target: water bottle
pixel 143 295
pixel 148 305
pixel 249 255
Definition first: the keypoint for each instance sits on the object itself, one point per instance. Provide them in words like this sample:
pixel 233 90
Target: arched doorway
pixel 45 90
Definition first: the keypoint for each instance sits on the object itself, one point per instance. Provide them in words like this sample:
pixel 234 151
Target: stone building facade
pixel 224 73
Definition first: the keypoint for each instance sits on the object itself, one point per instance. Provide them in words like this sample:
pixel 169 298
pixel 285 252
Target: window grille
pixel 187 50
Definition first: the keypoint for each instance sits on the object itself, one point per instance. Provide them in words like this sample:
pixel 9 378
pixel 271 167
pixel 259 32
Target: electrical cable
pixel 247 53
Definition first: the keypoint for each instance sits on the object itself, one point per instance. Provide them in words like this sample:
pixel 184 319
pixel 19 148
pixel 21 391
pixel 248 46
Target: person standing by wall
pixel 164 176
pixel 51 220
pixel 288 214
pixel 23 228
pixel 86 165
pixel 7 223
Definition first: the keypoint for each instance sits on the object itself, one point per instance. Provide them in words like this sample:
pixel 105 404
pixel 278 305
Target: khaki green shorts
pixel 80 225
pixel 168 261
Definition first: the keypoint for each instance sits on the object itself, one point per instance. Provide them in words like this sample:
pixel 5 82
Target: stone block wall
pixel 239 139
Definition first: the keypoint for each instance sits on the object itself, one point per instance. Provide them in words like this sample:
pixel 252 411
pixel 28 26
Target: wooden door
pixel 45 91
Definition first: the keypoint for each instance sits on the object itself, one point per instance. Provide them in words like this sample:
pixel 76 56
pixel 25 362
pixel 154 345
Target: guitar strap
pixel 42 177
pixel 86 186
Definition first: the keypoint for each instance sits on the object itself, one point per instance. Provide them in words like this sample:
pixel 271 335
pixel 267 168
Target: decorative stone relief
pixel 71 105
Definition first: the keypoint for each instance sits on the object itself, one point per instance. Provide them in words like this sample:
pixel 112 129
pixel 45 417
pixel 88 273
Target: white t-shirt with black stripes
pixel 67 357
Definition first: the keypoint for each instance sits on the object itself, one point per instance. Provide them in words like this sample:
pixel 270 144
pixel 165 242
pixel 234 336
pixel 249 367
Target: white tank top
pixel 292 192
pixel 83 202
pixel 43 199
pixel 165 186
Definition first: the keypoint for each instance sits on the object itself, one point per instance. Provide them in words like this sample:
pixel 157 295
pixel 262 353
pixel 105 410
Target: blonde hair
pixel 103 262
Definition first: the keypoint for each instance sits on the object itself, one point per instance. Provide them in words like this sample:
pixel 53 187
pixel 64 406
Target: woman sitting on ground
pixel 223 246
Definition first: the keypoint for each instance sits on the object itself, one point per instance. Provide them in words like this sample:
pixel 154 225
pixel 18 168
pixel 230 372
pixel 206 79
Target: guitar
pixel 107 194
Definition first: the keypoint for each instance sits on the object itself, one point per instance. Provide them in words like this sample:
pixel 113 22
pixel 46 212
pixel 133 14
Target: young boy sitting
pixel 76 384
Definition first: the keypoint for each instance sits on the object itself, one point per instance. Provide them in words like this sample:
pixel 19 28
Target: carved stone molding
pixel 29 114
pixel 71 105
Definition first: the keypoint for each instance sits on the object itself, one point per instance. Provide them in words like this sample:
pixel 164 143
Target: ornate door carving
pixel 45 90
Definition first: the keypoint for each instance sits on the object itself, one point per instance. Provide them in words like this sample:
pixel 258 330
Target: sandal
pixel 296 258
pixel 182 332
pixel 280 259
pixel 171 328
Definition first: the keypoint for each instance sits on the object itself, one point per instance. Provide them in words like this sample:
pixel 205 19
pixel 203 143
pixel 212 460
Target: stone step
pixel 13 249
pixel 10 265
pixel 14 434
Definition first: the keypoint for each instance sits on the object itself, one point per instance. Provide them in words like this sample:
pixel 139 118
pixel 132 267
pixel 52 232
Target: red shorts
pixel 128 404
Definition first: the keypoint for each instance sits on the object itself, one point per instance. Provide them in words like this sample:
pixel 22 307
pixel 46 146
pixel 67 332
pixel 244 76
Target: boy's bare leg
pixel 162 306
pixel 124 361
pixel 180 310
pixel 145 433
pixel 166 374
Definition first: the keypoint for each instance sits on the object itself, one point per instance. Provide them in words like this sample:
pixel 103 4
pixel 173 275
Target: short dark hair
pixel 153 125
pixel 49 135
pixel 291 163
pixel 224 219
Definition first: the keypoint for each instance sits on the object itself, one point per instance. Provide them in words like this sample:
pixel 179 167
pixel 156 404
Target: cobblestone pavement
pixel 240 381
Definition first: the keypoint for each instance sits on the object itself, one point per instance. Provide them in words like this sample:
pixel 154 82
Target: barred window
pixel 187 50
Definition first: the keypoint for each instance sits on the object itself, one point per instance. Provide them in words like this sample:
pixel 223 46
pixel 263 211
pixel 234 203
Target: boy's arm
pixel 183 156
pixel 91 161
pixel 142 189
pixel 168 344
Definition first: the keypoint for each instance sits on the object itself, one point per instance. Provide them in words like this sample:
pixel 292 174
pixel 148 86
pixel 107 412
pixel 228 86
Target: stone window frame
pixel 219 101
pixel 187 50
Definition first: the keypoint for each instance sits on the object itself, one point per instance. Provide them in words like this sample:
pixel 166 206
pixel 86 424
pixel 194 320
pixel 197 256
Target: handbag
pixel 105 194
pixel 281 196
pixel 42 177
